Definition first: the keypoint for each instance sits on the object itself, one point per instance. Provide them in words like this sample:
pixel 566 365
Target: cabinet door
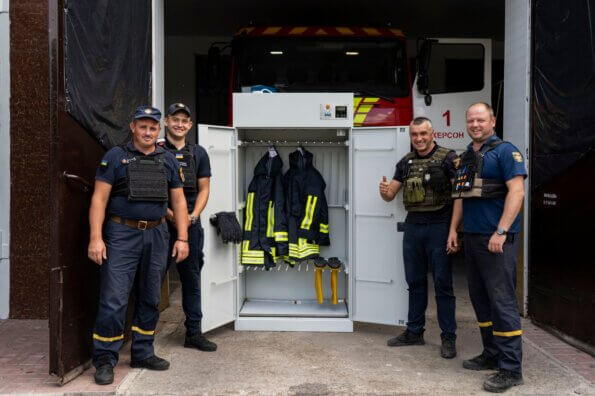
pixel 219 274
pixel 379 288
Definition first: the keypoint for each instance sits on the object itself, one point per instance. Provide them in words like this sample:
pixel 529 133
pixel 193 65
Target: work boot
pixel 407 338
pixel 448 349
pixel 151 363
pixel 104 375
pixel 200 342
pixel 502 381
pixel 481 362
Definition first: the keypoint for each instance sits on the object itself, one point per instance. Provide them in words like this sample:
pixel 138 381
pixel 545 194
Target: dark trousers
pixel 492 285
pixel 425 245
pixel 189 271
pixel 129 252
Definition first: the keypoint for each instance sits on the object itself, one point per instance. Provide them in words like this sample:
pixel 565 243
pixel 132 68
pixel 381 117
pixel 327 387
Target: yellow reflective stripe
pixel 344 30
pixel 324 228
pixel 249 212
pixel 356 102
pixel 281 236
pixel 305 220
pixel 246 251
pixel 298 30
pixel 371 31
pixel 359 118
pixel 508 333
pixel 107 339
pixel 485 324
pixel 271 30
pixel 143 332
pixel 252 261
pixel 365 108
pixel 270 220
pixel 371 100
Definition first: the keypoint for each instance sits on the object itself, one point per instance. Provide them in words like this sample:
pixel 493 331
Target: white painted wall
pixel 4 159
pixel 517 79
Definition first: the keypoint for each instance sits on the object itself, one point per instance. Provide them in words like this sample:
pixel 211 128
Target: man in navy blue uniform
pixel 197 172
pixel 425 176
pixel 129 237
pixel 490 181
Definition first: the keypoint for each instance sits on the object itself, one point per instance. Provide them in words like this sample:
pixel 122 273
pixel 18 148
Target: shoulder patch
pixel 517 156
pixel 181 173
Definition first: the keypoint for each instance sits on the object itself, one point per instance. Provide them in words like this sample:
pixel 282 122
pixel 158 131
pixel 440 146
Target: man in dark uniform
pixel 197 172
pixel 133 182
pixel 425 176
pixel 490 180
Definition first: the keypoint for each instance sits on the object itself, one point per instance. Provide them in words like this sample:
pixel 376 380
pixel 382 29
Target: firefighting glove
pixel 227 226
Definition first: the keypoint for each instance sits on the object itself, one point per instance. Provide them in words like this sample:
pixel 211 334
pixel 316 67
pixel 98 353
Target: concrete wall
pixel 4 159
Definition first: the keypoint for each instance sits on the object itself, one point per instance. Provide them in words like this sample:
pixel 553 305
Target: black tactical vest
pixel 146 178
pixel 468 182
pixel 186 160
pixel 425 186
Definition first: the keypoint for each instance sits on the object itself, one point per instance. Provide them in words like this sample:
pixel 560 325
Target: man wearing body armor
pixel 196 169
pixel 425 176
pixel 490 181
pixel 129 238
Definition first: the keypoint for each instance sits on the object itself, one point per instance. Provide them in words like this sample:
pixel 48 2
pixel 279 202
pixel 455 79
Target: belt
pixel 138 224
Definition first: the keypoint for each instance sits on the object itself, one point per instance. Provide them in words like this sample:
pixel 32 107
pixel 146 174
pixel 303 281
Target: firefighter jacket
pixel 306 206
pixel 265 226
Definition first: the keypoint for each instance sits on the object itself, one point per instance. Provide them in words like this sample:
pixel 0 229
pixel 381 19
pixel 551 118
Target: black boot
pixel 502 381
pixel 407 338
pixel 104 375
pixel 151 363
pixel 200 342
pixel 481 362
pixel 448 349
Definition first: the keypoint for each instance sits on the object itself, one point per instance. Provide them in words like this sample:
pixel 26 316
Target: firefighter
pixel 490 182
pixel 265 226
pixel 132 185
pixel 197 172
pixel 425 176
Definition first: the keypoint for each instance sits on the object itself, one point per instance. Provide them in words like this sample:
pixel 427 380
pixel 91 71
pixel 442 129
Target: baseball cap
pixel 147 112
pixel 174 108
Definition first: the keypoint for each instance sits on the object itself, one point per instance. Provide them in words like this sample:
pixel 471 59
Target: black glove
pixel 227 226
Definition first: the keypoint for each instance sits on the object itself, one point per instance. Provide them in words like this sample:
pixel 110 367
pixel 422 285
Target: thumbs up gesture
pixel 383 187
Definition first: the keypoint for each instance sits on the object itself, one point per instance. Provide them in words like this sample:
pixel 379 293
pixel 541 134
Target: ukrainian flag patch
pixel 179 156
pixel 517 156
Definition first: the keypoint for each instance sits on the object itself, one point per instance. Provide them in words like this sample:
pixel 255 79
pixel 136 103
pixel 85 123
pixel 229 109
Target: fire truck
pixel 389 88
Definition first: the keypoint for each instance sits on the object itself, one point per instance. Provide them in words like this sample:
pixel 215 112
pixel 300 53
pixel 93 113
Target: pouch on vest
pixel 189 170
pixel 414 190
pixel 147 179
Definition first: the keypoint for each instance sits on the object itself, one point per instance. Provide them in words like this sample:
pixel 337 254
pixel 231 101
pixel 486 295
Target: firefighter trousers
pixel 130 252
pixel 189 271
pixel 492 288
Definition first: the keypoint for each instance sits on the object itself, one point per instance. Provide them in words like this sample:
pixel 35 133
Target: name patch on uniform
pixel 517 156
pixel 181 173
pixel 104 163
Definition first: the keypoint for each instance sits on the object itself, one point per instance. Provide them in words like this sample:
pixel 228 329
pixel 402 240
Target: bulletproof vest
pixel 146 178
pixel 426 186
pixel 468 182
pixel 186 160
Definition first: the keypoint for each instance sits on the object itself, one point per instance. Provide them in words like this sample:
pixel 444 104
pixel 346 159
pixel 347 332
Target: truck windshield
pixel 292 64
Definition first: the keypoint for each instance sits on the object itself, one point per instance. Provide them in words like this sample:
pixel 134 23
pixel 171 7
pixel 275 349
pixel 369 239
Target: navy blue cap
pixel 174 108
pixel 147 112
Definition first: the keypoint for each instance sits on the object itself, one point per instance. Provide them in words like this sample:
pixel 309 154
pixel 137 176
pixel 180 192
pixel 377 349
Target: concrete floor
pixel 337 363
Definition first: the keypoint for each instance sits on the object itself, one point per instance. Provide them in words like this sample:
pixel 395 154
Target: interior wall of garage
pixel 4 159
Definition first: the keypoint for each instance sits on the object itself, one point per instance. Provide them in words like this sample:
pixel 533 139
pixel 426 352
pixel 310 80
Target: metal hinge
pixel 4 248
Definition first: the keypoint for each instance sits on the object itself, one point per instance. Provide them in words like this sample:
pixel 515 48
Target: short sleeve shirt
pixel 203 167
pixel 482 215
pixel 438 216
pixel 113 168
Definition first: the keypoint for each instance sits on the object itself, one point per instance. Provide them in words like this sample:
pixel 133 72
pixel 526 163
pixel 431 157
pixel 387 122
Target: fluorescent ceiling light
pixel 352 53
pixel 276 52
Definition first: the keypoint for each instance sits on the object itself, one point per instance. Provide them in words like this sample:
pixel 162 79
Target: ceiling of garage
pixel 454 18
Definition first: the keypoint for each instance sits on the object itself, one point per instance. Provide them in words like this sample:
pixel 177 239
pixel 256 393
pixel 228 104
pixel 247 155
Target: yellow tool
pixel 335 264
pixel 320 264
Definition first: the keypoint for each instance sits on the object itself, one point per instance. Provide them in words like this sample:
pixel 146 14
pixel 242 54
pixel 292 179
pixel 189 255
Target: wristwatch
pixel 501 231
pixel 193 220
